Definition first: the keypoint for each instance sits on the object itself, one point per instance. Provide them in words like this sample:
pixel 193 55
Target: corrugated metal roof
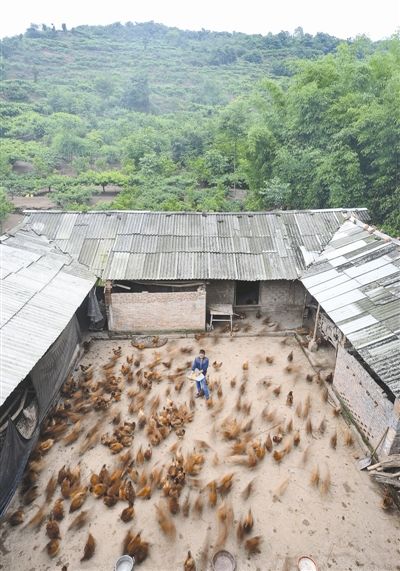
pixel 357 282
pixel 235 246
pixel 41 288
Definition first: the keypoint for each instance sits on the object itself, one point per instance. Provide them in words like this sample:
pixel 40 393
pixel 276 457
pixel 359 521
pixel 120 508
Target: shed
pixel 356 281
pixel 163 269
pixel 41 291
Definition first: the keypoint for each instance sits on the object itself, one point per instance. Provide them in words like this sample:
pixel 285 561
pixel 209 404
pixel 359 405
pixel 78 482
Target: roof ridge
pixel 192 212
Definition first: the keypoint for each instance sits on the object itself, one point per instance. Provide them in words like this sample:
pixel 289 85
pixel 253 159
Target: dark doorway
pixel 247 293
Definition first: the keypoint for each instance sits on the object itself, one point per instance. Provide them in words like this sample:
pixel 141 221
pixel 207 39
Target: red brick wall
pixel 152 312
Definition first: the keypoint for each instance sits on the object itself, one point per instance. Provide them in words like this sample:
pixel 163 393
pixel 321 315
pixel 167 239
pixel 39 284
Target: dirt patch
pixel 313 501
pixel 33 202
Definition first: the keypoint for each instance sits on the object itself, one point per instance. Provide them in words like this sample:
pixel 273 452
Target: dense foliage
pixel 185 120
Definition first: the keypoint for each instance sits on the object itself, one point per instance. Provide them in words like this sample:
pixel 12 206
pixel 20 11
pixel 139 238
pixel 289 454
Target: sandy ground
pixel 344 529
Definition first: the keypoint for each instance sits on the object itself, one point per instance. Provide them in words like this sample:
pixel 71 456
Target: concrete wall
pixel 366 401
pixel 152 312
pixel 283 301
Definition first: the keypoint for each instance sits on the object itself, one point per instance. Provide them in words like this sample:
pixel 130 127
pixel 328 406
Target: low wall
pixel 151 312
pixel 366 401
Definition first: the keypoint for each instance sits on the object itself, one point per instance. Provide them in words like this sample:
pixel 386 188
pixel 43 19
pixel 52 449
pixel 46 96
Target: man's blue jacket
pixel 200 364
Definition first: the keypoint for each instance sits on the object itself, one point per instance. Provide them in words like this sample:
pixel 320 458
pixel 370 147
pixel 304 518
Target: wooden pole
pixel 316 322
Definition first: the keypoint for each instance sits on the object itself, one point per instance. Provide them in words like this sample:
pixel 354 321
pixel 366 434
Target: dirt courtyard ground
pixel 337 520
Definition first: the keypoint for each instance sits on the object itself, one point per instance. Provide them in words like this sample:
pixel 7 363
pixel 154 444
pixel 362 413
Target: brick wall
pixel 222 291
pixel 366 401
pixel 283 301
pixel 152 312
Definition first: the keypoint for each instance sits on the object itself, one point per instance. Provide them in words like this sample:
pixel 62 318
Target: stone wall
pixel 152 312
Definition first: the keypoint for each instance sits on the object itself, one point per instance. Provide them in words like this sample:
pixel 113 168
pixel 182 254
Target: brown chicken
pixel 110 501
pixel 53 530
pixel 144 493
pixel 89 548
pixel 198 505
pixel 99 490
pixel 248 490
pixel 315 476
pixel 348 438
pixel 248 522
pixel 128 513
pixel 189 564
pixel 53 547
pixel 289 398
pixel 45 446
pixel 79 521
pixel 16 518
pixel 186 507
pixel 212 494
pixel 278 455
pixel 73 435
pixel 58 510
pixel 30 495
pixel 51 487
pixel 37 520
pixel 165 522
pixel 78 500
pixel 225 484
pixel 268 443
pixel 252 545
pixel 129 492
pixel 277 391
pixel 135 547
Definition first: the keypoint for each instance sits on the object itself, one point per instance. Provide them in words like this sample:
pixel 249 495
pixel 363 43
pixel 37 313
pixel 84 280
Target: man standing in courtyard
pixel 200 364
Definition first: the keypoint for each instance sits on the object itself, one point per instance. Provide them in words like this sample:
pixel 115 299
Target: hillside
pixel 171 119
pixel 182 68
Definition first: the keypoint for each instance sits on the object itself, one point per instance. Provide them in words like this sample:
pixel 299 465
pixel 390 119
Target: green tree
pixel 136 95
pixel 5 205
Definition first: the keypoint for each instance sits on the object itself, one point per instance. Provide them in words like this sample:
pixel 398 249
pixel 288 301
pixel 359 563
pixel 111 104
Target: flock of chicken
pixel 94 394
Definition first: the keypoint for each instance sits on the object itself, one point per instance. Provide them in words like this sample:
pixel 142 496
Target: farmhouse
pixel 163 271
pixel 160 272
